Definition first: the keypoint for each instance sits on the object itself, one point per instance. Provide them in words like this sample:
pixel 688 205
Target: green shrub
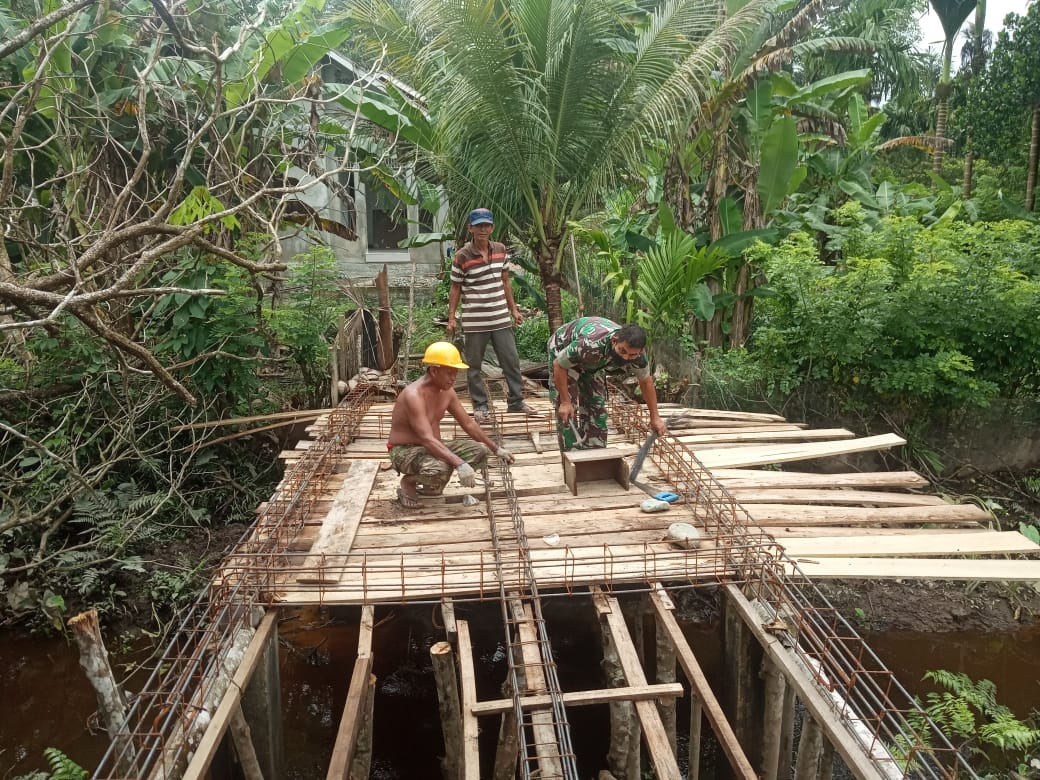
pixel 933 318
pixel 532 338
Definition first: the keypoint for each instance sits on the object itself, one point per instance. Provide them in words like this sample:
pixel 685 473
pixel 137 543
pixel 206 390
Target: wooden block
pixel 592 465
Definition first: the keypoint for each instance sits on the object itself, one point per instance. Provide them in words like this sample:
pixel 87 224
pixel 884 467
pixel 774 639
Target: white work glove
pixel 506 455
pixel 467 476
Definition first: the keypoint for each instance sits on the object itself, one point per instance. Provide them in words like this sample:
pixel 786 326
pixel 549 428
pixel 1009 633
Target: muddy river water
pixel 47 701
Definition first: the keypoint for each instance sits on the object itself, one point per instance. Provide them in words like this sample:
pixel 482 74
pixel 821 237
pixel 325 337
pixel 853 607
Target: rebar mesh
pixel 170 714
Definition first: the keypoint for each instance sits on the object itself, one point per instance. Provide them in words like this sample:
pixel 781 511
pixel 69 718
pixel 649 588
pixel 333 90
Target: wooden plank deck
pixel 358 544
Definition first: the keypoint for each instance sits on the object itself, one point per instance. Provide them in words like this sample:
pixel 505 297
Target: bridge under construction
pixel 569 526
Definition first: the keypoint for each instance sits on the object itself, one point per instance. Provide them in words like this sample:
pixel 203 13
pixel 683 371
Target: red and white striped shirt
pixel 483 293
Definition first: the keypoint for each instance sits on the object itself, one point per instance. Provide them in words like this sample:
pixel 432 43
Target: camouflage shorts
pixel 430 471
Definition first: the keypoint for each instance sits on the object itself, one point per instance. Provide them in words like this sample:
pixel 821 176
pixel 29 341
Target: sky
pixel 996 10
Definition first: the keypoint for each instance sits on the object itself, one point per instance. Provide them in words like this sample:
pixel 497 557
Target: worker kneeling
pixel 416 450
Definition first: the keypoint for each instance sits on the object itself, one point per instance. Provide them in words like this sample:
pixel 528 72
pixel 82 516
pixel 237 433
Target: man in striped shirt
pixel 480 279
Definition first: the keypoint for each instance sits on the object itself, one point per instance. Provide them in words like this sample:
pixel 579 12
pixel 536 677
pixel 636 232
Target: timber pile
pixel 359 544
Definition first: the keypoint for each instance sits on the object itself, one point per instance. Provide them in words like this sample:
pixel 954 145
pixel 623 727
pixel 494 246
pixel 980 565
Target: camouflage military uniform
pixel 583 348
pixel 431 472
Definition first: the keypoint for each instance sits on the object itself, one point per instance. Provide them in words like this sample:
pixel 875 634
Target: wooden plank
pixel 814 434
pixel 801 514
pixel 700 425
pixel 777 453
pixel 701 689
pixel 337 532
pixel 350 721
pixel 825 531
pixel 675 566
pixel 984 543
pixel 198 768
pixel 654 736
pixel 533 656
pixel 601 453
pixel 719 414
pixel 468 686
pixel 757 478
pixel 920 569
pixel 824 496
pixel 583 698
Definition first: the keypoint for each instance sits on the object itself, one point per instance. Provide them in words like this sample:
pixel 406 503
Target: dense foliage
pixel 912 319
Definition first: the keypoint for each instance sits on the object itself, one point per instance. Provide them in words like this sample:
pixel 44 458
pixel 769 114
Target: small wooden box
pixel 591 465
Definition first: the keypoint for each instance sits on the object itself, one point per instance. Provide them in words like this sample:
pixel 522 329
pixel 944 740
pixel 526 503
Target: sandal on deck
pixel 429 492
pixel 530 411
pixel 407 501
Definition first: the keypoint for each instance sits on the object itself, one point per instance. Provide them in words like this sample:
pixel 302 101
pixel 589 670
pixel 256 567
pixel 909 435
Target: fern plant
pixel 63 767
pixel 968 712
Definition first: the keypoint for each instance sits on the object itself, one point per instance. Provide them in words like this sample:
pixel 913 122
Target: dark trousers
pixel 504 344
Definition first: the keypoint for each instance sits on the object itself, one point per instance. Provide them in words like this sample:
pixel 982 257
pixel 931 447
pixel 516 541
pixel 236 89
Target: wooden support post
pixel 702 693
pixel 696 715
pixel 773 718
pixel 742 694
pixel 448 705
pixel 665 671
pixel 448 616
pixel 386 327
pixel 361 766
pixel 468 685
pixel 665 765
pixel 783 766
pixel 508 741
pixel 243 740
pixel 623 725
pixel 93 657
pixel 826 769
pixel 810 746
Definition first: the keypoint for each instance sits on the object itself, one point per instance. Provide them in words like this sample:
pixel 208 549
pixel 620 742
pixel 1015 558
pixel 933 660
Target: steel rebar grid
pixel 899 740
pixel 169 716
pixel 509 536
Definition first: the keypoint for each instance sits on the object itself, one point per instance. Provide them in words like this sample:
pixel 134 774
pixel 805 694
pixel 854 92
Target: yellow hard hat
pixel 441 353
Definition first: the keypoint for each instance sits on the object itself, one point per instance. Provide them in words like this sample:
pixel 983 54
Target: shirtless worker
pixel 415 445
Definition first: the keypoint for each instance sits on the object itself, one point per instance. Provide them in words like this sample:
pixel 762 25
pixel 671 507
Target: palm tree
pixel 952 14
pixel 539 104
pixel 973 54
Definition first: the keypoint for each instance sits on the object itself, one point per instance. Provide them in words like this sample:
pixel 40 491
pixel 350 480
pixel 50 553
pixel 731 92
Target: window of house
pixel 387 216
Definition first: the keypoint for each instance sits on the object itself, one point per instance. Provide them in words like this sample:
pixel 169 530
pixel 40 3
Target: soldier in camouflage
pixel 579 354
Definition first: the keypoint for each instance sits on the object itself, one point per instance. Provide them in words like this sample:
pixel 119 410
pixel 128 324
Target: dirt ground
pixel 934 606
